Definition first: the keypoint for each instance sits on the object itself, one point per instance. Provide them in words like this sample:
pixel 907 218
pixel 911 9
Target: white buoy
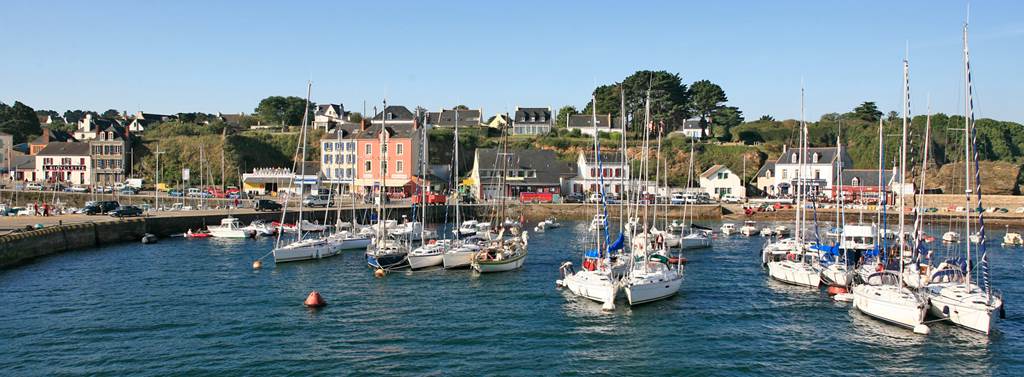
pixel 608 306
pixel 257 264
pixel 558 283
pixel 922 329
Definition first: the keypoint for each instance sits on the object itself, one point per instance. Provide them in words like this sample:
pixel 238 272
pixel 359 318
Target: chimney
pixel 362 125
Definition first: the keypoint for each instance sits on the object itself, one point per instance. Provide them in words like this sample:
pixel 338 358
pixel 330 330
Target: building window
pixel 337 172
pixel 723 175
pixel 784 174
pixel 400 149
pixel 368 166
pixel 400 166
pixel 369 150
pixel 327 147
pixel 792 158
pixel 817 174
pixel 81 161
pixel 815 157
pixel 855 181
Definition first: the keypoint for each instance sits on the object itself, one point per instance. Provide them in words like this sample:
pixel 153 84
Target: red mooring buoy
pixel 835 289
pixel 314 300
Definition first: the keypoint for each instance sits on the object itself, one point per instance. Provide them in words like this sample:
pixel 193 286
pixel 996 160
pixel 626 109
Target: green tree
pixel 728 117
pixel 892 116
pixel 111 114
pixel 73 116
pixel 20 121
pixel 283 110
pixel 706 98
pixel 460 107
pixel 669 97
pixel 766 118
pixel 563 116
pixel 867 111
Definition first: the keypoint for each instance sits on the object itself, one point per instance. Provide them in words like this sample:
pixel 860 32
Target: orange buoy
pixel 314 300
pixel 835 289
pixel 378 273
pixel 257 264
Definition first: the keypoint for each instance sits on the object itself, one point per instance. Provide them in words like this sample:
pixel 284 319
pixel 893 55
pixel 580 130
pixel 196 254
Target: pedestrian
pixel 46 210
pixel 236 202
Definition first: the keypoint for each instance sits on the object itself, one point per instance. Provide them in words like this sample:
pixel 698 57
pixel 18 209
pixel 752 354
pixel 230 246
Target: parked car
pixel 176 193
pixel 99 207
pixel 77 188
pixel 267 205
pixel 34 186
pixel 128 190
pixel 126 211
pixel 573 198
pixel 731 199
pixel 317 201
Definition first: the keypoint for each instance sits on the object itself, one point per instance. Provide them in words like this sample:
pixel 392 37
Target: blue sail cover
pixel 592 253
pixel 618 244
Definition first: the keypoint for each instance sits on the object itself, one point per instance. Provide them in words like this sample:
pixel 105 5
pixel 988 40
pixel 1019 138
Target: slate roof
pixel 865 177
pixel 546 163
pixel 398 113
pixel 446 118
pixel 827 156
pixel 338 135
pixel 768 165
pixel 712 170
pixel 21 162
pixel 155 117
pixel 395 130
pixel 59 148
pixel 55 135
pixel 322 109
pixel 585 121
pixel 540 115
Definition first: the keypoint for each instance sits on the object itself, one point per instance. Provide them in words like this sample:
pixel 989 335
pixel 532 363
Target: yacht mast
pixel 302 161
pixel 903 163
pixel 968 114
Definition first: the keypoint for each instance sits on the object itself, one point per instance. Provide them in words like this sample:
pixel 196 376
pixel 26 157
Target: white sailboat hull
pixel 458 258
pixel 964 306
pixel 357 243
pixel 592 285
pixel 500 266
pixel 837 275
pixel 891 304
pixel 304 250
pixel 690 242
pixel 640 291
pixel 795 273
pixel 424 261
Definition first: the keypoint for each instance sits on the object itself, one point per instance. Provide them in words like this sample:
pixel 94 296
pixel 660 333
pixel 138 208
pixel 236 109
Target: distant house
pixel 141 121
pixel 338 159
pixel 447 118
pixel 718 181
pixel 526 170
pixel 90 126
pixel 585 124
pixel 764 180
pixel 864 185
pixel 231 119
pixel 64 162
pixel 46 119
pixel 110 150
pixel 499 121
pixel 387 152
pixel 818 172
pixel 274 181
pixel 23 167
pixel 48 136
pixel 691 129
pixel 328 116
pixel 589 174
pixel 395 115
pixel 532 121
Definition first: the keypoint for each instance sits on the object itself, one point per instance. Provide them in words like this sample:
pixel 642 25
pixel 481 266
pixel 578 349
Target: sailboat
pixel 692 237
pixel 428 254
pixel 386 252
pixel 460 252
pixel 787 259
pixel 348 236
pixel 508 250
pixel 652 275
pixel 883 294
pixel 302 249
pixel 959 299
pixel 835 261
pixel 597 279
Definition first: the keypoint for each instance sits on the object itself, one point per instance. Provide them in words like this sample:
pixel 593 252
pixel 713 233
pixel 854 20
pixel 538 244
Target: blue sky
pixel 171 56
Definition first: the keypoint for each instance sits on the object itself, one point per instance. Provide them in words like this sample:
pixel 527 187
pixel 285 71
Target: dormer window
pixel 390 116
pixel 815 157
pixel 855 181
pixel 792 158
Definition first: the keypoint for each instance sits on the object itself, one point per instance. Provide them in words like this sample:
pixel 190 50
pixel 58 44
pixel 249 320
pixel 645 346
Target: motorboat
pixel 695 240
pixel 1012 239
pixel 749 228
pixel 728 228
pixel 229 228
pixel 468 228
pixel 767 231
pixel 781 231
pixel 261 228
pixel 951 237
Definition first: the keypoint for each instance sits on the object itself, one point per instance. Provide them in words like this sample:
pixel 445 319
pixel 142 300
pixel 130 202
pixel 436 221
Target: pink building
pixel 397 138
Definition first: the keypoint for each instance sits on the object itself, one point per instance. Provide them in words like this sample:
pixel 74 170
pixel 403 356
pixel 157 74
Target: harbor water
pixel 197 307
